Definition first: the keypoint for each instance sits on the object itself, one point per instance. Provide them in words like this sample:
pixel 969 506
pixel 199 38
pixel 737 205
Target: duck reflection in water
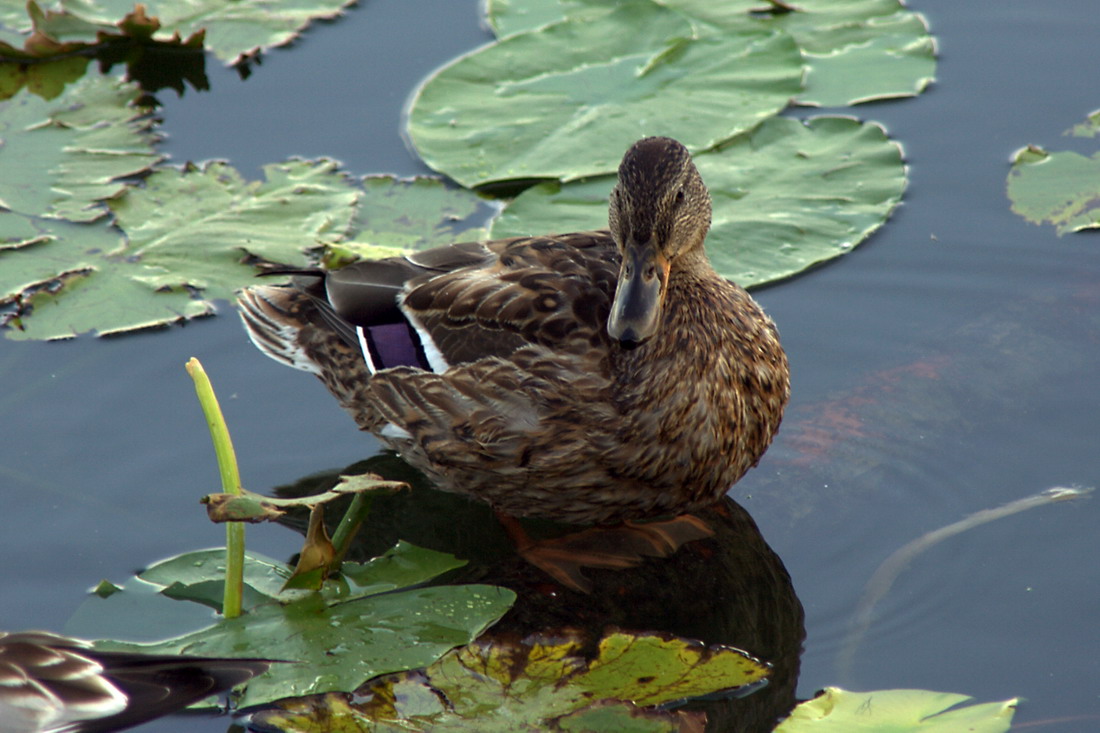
pixel 729 588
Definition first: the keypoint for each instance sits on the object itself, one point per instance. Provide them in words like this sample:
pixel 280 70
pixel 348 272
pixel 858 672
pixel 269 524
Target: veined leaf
pixel 565 102
pixel 786 196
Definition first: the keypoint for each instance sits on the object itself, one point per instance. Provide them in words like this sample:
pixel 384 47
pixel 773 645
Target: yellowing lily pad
pixel 1060 188
pixel 897 711
pixel 786 196
pixel 564 101
pixel 541 683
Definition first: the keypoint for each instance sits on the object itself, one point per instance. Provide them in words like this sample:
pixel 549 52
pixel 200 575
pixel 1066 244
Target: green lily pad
pixel 232 30
pixel 855 50
pixel 1060 188
pixel 896 711
pixel 398 216
pixel 786 196
pixel 340 637
pixel 192 234
pixel 61 157
pixel 565 101
pixel 1089 128
pixel 541 683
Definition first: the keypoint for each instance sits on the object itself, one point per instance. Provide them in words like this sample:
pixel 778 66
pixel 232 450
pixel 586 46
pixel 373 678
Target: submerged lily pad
pixel 786 196
pixel 566 100
pixel 896 711
pixel 1060 188
pixel 541 683
pixel 855 50
pixel 192 234
pixel 338 638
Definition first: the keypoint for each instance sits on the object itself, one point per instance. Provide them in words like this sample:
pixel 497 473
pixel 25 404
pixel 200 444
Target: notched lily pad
pixel 1060 188
pixel 541 683
pixel 786 196
pixel 340 637
pixel 897 711
pixel 193 236
pixel 566 100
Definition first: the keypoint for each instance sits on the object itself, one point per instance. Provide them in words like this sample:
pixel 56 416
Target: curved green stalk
pixel 231 484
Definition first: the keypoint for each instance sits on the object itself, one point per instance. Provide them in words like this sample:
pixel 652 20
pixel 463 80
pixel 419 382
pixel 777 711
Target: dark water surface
pixel 946 366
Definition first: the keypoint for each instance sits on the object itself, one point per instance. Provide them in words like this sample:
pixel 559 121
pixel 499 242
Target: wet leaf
pixel 1060 188
pixel 896 711
pixel 341 636
pixel 855 50
pixel 192 236
pixel 253 507
pixel 786 196
pixel 566 100
pixel 541 683
pixel 398 215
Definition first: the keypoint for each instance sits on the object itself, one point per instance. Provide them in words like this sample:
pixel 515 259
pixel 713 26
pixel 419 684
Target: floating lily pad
pixel 855 50
pixel 339 638
pixel 398 216
pixel 786 196
pixel 192 233
pixel 1089 128
pixel 541 683
pixel 232 30
pixel 566 100
pixel 61 157
pixel 1060 188
pixel 896 711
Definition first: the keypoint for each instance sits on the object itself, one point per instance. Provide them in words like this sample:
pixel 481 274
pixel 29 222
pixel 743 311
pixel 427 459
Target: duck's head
pixel 659 214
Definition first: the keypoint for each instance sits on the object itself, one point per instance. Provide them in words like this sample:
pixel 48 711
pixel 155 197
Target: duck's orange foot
pixel 612 548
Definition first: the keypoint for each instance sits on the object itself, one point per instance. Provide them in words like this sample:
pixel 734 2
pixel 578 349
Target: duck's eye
pixel 680 196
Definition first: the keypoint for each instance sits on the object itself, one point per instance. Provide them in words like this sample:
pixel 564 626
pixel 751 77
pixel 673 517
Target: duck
pixel 50 682
pixel 591 378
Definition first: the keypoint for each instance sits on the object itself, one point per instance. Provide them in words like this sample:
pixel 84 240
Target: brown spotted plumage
pixel 590 377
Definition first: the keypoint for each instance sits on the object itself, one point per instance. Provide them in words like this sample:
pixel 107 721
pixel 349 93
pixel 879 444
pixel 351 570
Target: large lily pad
pixel 566 100
pixel 541 683
pixel 338 638
pixel 192 234
pixel 1060 188
pixel 854 50
pixel 896 711
pixel 786 196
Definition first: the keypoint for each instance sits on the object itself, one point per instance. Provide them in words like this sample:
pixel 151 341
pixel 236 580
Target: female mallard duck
pixel 55 683
pixel 588 378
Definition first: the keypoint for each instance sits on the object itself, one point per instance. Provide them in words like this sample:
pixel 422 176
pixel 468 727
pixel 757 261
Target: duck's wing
pixel 457 304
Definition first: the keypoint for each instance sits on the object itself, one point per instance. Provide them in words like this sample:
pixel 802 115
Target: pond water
pixel 946 366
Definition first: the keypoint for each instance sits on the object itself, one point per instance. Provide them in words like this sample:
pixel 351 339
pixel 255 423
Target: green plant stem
pixel 353 518
pixel 231 484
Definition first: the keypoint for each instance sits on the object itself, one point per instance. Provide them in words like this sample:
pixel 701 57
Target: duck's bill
pixel 636 310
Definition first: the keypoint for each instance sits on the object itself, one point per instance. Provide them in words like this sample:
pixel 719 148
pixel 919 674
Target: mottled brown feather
pixel 541 412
